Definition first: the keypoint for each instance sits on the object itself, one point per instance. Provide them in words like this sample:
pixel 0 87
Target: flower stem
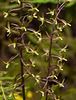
pixel 20 54
pixel 49 65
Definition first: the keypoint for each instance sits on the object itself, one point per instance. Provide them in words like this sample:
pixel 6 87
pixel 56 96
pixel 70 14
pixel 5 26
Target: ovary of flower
pixel 13 44
pixel 60 28
pixel 35 52
pixel 54 20
pixel 33 75
pixel 18 1
pixel 8 29
pixel 36 9
pixel 33 63
pixel 42 93
pixel 53 76
pixel 23 28
pixel 51 12
pixel 7 64
pixel 37 78
pixel 38 33
pixel 34 15
pixel 61 59
pixel 40 39
pixel 60 66
pixel 41 19
pixel 63 49
pixel 61 85
pixel 59 38
pixel 5 14
pixel 33 9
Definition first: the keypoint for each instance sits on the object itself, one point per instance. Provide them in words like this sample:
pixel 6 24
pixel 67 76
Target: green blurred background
pixel 69 73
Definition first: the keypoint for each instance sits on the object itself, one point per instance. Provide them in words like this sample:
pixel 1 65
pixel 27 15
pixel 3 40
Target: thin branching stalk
pixel 22 73
pixel 60 8
pixel 20 55
pixel 22 84
pixel 49 65
pixel 12 58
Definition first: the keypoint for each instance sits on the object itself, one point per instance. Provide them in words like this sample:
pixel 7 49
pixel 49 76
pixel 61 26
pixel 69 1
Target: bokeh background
pixel 69 73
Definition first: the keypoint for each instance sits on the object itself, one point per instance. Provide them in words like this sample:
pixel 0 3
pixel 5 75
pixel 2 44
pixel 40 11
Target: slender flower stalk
pixel 49 65
pixel 20 55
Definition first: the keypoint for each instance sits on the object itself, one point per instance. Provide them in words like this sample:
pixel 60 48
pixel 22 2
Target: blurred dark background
pixel 69 14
